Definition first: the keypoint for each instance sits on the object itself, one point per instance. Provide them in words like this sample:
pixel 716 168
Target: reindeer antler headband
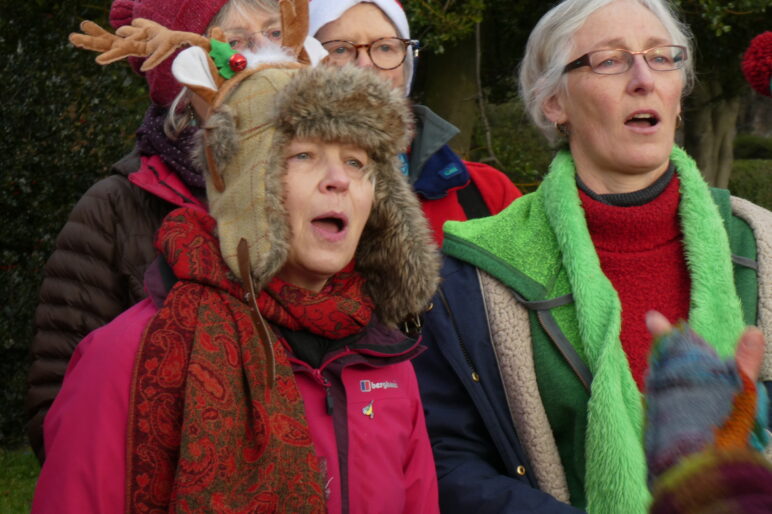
pixel 210 68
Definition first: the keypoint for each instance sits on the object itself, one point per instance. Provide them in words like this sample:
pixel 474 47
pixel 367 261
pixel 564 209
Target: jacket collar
pixel 151 174
pixel 434 168
pixel 377 346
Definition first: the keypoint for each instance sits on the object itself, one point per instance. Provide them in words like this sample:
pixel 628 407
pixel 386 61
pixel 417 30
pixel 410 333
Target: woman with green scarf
pixel 538 332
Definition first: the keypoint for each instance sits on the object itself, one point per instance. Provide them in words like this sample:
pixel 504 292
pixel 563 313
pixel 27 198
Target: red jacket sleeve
pixel 85 429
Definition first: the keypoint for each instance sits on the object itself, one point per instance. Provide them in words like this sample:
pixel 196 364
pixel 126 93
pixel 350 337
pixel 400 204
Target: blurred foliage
pixel 521 150
pixel 719 16
pixel 505 33
pixel 437 23
pixel 752 179
pixel 722 31
pixel 751 146
pixel 66 119
pixel 19 471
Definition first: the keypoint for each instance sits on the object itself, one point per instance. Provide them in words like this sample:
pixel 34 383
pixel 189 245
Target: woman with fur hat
pixel 267 373
pixel 374 34
pixel 96 271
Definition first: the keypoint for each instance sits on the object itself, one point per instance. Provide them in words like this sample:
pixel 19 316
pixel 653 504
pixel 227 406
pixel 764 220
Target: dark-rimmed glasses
pixel 615 61
pixel 386 53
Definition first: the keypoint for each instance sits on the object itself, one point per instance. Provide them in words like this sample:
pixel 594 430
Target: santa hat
pixel 184 15
pixel 322 12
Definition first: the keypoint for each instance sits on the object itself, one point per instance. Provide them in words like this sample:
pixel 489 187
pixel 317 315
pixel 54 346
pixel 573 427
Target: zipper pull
pixel 327 393
pixel 329 400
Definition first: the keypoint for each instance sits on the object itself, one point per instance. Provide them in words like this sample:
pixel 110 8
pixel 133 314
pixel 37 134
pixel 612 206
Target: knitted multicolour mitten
pixel 736 481
pixel 704 417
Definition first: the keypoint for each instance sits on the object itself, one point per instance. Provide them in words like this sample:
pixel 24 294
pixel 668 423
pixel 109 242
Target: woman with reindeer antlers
pixel 265 373
pixel 96 271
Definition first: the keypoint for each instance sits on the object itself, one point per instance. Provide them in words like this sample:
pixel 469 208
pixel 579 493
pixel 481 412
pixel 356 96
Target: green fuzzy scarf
pixel 554 220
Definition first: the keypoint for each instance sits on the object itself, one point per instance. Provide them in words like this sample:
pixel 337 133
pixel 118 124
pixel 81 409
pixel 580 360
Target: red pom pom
pixel 757 63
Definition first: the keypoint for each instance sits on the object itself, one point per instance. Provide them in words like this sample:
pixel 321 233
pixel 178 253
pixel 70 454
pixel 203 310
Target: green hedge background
pixel 66 119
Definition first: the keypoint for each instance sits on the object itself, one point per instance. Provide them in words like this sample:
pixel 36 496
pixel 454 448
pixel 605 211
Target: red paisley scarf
pixel 339 310
pixel 207 433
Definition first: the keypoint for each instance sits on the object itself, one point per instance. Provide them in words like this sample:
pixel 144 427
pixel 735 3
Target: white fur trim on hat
pixel 322 12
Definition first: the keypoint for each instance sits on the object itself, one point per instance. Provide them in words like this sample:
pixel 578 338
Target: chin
pixel 330 266
pixel 647 157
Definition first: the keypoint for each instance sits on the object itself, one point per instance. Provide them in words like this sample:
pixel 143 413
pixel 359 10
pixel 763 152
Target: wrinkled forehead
pixel 624 24
pixel 362 22
pixel 247 18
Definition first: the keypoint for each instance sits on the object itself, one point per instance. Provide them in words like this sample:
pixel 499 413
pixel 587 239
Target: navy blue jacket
pixel 481 465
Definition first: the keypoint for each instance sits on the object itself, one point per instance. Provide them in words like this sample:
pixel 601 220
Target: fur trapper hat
pixel 247 136
pixel 256 108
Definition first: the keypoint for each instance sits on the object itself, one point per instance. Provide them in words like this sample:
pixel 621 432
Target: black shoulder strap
pixel 472 202
pixel 551 327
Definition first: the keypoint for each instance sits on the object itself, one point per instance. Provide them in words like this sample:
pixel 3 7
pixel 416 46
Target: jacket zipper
pixel 317 373
pixel 464 351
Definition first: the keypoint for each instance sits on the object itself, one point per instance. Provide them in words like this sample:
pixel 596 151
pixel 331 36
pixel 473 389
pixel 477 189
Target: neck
pixel 311 281
pixel 634 198
pixel 604 182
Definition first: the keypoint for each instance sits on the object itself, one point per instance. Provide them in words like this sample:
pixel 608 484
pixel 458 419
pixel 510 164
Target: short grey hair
pixel 550 46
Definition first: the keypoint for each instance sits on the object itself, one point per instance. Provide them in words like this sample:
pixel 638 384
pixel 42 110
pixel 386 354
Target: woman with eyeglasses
pixel 101 254
pixel 537 343
pixel 375 34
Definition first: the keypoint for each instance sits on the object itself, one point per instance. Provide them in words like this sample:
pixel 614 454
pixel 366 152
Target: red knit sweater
pixel 641 252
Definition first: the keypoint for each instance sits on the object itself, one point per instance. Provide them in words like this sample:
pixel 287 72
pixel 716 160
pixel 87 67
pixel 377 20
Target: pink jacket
pixel 380 435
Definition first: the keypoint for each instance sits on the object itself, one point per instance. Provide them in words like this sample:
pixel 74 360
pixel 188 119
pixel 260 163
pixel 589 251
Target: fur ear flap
pixel 397 253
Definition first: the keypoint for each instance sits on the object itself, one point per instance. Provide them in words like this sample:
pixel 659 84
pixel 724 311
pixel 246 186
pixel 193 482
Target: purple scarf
pixel 176 153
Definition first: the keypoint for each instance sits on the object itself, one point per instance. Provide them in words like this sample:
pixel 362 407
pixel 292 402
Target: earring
pixel 679 120
pixel 562 129
pixel 192 118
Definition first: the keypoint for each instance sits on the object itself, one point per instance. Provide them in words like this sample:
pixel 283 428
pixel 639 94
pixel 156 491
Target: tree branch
pixel 481 99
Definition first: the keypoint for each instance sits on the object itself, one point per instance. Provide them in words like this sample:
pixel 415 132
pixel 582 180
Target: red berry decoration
pixel 237 62
pixel 757 63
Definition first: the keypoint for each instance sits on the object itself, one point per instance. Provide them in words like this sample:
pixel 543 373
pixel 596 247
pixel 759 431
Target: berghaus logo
pixel 367 386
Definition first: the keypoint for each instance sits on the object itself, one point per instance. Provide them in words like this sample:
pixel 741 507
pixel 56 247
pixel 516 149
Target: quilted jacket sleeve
pixel 94 274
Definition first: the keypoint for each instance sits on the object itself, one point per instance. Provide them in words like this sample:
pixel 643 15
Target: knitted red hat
pixel 757 63
pixel 186 15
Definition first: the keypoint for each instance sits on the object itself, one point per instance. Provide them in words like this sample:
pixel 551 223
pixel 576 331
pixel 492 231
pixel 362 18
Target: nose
pixel 363 59
pixel 335 179
pixel 642 77
pixel 256 41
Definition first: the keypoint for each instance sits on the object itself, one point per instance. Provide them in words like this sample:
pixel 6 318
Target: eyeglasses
pixel 241 40
pixel 613 62
pixel 386 53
